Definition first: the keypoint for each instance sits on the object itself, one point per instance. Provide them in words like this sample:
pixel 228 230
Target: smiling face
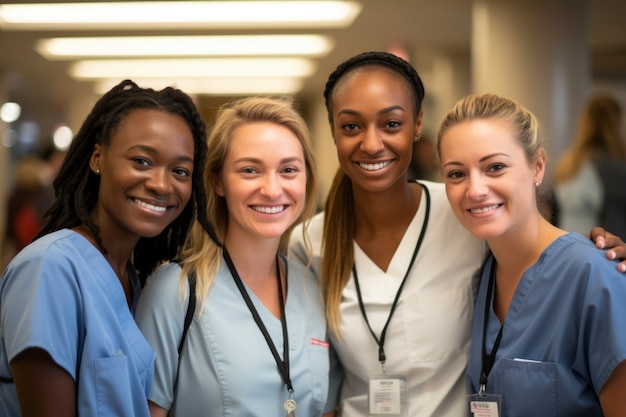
pixel 374 128
pixel 145 174
pixel 489 181
pixel 263 180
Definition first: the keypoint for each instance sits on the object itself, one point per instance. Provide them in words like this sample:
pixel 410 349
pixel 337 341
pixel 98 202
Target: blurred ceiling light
pixel 62 137
pixel 192 68
pixel 215 86
pixel 138 46
pixel 10 112
pixel 136 15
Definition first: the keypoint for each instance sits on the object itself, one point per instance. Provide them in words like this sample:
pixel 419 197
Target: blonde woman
pixel 548 336
pixel 257 345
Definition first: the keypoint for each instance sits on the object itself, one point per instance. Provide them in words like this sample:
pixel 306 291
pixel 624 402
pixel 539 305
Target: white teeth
pixel 159 209
pixel 374 167
pixel 484 209
pixel 269 210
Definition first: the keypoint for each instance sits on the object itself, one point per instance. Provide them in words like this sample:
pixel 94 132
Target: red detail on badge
pixel 318 342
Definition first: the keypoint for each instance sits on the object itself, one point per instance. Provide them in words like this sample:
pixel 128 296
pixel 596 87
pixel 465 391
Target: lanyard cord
pixel 381 341
pixel 283 366
pixel 488 360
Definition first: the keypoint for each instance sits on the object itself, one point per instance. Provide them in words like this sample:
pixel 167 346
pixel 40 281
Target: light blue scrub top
pixel 227 368
pixel 61 295
pixel 564 333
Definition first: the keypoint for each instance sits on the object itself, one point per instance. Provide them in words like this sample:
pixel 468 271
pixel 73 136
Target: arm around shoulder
pixel 616 248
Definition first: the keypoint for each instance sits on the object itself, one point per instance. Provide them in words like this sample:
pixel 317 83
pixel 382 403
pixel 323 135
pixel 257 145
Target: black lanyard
pixel 488 360
pixel 283 365
pixel 381 341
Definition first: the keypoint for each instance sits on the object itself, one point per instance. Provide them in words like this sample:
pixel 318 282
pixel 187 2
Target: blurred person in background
pixel 32 194
pixel 589 178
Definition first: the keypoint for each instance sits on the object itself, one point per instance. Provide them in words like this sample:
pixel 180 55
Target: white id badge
pixel 387 396
pixel 484 405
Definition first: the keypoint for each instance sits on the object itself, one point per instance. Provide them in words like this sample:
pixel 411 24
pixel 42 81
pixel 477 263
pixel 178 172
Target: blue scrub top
pixel 227 368
pixel 564 333
pixel 61 295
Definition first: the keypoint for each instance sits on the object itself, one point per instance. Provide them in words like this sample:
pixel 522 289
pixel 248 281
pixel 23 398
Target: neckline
pixel 397 265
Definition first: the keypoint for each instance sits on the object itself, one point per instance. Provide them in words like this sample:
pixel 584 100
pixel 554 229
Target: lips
pixel 374 167
pixel 486 209
pixel 269 209
pixel 160 208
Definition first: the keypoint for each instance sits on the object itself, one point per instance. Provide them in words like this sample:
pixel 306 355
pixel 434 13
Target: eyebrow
pixel 483 159
pixel 382 111
pixel 250 159
pixel 151 150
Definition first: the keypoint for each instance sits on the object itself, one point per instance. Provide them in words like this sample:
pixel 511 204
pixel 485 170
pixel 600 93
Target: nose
pixel 270 186
pixel 476 187
pixel 371 142
pixel 159 181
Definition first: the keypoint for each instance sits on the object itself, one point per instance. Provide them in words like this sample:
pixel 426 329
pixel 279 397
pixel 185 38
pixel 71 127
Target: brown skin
pixel 616 247
pixel 49 389
pixel 374 123
pixel 612 394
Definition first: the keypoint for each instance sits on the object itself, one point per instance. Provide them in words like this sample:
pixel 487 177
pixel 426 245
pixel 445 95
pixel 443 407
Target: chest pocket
pixel 112 385
pixel 528 388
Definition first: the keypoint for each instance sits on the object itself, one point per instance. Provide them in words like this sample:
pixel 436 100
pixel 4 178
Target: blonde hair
pixel 598 130
pixel 201 253
pixel 525 126
pixel 492 106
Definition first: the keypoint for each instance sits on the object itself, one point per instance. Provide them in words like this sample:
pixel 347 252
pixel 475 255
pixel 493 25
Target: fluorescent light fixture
pixel 144 46
pixel 215 86
pixel 192 68
pixel 161 15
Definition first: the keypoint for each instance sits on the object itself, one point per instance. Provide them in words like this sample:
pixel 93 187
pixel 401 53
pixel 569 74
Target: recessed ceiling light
pixel 136 15
pixel 138 46
pixel 192 68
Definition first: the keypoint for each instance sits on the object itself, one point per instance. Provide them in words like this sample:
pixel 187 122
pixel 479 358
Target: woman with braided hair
pixel 126 196
pixel 397 270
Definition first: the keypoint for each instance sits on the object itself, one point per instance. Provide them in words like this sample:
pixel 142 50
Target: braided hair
pixel 76 187
pixel 375 58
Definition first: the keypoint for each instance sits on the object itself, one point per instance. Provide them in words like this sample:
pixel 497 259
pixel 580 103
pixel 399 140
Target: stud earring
pixel 97 171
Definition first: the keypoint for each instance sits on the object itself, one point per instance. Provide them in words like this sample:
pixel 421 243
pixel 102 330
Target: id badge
pixel 387 396
pixel 484 405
